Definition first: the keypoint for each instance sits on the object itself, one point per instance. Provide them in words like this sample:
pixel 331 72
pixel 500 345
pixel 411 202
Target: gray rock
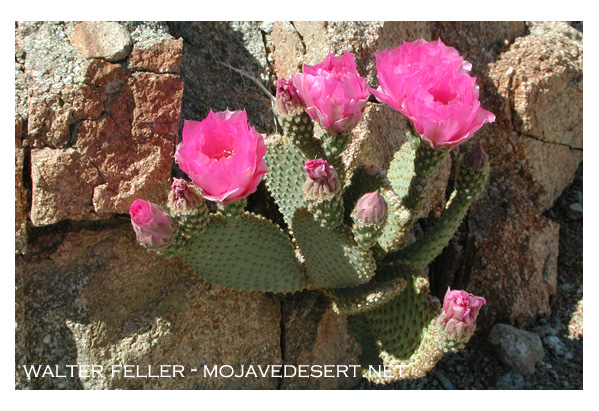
pixel 101 39
pixel 555 345
pixel 510 381
pixel 518 349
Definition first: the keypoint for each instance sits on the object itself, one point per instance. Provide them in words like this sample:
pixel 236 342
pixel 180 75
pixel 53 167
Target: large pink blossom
pixel 429 83
pixel 223 155
pixel 152 225
pixel 334 93
pixel 460 310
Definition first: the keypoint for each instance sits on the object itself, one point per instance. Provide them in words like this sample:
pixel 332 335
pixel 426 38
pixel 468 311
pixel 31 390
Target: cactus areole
pixel 348 228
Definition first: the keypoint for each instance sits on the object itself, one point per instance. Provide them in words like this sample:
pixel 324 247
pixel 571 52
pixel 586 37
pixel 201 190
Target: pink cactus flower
pixel 223 155
pixel 334 93
pixel 288 101
pixel 460 310
pixel 152 225
pixel 371 209
pixel 183 197
pixel 322 181
pixel 429 83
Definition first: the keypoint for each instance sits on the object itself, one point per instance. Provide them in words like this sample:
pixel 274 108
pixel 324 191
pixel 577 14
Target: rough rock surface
pixel 518 349
pixel 101 39
pixel 314 335
pixel 96 297
pixel 119 125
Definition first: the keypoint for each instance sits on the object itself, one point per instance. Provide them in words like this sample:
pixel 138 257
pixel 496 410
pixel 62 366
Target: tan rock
pixel 315 335
pixel 163 57
pixel 62 185
pixel 101 39
pixel 512 257
pixel 105 300
pixel 540 79
pixel 157 102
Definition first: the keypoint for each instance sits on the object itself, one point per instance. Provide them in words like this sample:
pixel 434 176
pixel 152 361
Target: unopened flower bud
pixel 184 197
pixel 476 158
pixel 322 182
pixel 371 209
pixel 288 100
pixel 460 310
pixel 152 225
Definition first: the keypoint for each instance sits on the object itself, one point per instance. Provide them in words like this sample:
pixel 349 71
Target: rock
pixel 555 345
pixel 160 57
pixel 510 381
pixel 54 70
pixel 101 39
pixel 511 256
pixel 519 350
pixel 315 335
pixel 105 300
pixel 63 182
pixel 122 125
pixel 20 191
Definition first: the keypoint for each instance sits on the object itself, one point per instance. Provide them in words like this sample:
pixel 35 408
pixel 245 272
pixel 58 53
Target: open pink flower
pixel 222 155
pixel 429 83
pixel 334 93
pixel 460 310
pixel 152 225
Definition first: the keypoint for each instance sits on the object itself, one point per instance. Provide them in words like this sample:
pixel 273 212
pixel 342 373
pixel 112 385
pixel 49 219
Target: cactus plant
pixel 347 229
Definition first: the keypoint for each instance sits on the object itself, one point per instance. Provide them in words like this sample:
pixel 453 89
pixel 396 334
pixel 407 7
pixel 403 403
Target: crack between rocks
pixel 281 341
pixel 300 37
pixel 143 70
pixel 550 142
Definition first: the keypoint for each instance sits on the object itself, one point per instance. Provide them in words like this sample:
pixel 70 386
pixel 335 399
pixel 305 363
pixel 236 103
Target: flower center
pixel 442 95
pixel 222 154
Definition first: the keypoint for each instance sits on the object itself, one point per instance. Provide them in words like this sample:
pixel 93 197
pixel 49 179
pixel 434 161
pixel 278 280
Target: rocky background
pixel 99 108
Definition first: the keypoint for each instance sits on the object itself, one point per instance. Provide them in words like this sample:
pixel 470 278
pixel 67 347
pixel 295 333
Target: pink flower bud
pixel 288 100
pixel 371 209
pixel 460 310
pixel 476 158
pixel 429 83
pixel 184 198
pixel 152 225
pixel 334 93
pixel 222 155
pixel 322 182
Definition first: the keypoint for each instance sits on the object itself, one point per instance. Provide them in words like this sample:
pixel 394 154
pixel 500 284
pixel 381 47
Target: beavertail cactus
pixel 348 230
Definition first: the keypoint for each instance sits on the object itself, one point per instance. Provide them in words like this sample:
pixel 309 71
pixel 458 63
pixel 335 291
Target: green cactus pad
pixel 469 184
pixel 299 128
pixel 401 169
pixel 366 297
pixel 359 328
pixel 286 175
pixel 247 252
pixel 329 213
pixel 405 329
pixel 332 258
